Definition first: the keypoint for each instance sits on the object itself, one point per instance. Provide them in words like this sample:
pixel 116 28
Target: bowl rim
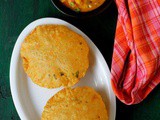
pixel 67 11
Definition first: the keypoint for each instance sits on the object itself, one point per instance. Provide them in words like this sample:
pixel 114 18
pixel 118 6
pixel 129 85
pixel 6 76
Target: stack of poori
pixel 55 56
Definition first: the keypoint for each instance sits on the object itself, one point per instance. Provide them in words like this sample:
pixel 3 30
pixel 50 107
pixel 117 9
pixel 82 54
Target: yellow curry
pixel 83 5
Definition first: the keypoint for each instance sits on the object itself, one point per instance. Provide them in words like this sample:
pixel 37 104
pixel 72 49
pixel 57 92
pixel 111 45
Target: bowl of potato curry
pixel 81 8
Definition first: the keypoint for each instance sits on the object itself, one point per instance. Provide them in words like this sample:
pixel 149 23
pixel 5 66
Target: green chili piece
pixel 77 10
pixel 72 4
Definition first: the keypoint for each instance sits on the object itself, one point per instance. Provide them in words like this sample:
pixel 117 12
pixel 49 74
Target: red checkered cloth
pixel 135 70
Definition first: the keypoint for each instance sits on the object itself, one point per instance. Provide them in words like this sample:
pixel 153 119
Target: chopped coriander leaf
pixel 61 73
pixel 77 74
pixel 54 76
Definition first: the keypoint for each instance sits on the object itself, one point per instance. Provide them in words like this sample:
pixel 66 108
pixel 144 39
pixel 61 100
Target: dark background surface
pixel 16 14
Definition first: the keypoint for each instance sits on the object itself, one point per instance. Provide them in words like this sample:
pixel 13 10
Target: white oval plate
pixel 29 98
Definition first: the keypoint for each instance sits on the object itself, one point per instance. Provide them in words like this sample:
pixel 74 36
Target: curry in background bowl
pixel 81 8
pixel 82 5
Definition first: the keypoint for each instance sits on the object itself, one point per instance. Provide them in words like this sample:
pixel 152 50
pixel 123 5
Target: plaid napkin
pixel 135 70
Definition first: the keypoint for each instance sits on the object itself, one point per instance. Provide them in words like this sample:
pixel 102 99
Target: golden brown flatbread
pixel 81 103
pixel 54 56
